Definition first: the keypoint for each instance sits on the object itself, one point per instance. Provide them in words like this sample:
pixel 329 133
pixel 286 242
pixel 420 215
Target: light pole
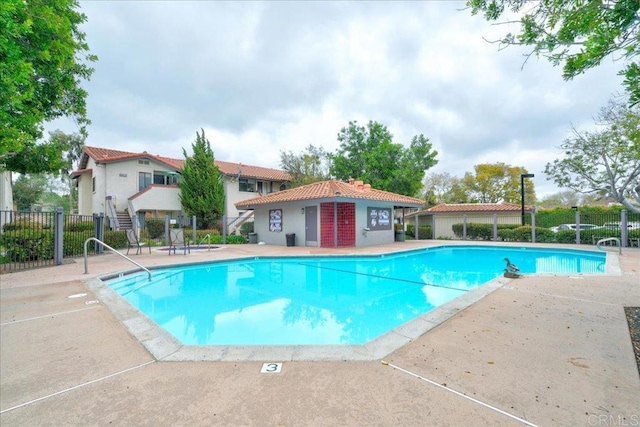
pixel 522 177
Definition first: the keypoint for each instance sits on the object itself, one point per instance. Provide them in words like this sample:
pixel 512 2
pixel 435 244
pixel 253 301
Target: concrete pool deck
pixel 546 350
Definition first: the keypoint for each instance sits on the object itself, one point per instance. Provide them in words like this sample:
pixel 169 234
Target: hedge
pixel 424 232
pixel 28 245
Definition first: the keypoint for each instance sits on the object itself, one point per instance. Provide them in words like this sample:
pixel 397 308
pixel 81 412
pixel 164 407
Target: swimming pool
pixel 347 300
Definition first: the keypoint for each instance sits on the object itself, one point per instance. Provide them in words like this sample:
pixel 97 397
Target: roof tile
pixel 471 207
pixel 330 189
pixel 106 155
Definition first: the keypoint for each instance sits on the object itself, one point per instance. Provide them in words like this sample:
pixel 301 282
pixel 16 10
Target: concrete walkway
pixel 547 350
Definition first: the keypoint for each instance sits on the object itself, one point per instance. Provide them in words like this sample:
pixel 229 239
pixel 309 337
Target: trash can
pixel 253 237
pixel 291 239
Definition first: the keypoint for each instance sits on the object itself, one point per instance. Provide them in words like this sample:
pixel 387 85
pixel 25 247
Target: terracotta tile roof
pixel 249 171
pixel 80 172
pixel 331 189
pixel 106 155
pixel 471 207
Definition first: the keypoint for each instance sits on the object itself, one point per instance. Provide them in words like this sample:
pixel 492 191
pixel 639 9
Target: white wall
pixel 85 195
pixel 6 191
pixel 157 198
pixel 293 221
pixel 444 222
pixel 377 237
pixel 118 180
pixel 6 197
pixel 234 195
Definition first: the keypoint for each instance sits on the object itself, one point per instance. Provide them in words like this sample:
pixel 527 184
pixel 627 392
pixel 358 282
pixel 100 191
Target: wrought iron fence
pixel 26 240
pixel 41 239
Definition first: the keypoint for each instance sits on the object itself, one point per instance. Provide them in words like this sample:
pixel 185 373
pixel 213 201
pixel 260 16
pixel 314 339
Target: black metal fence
pixel 41 239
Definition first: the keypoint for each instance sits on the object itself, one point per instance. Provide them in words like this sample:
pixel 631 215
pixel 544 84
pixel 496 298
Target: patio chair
pixel 134 242
pixel 177 241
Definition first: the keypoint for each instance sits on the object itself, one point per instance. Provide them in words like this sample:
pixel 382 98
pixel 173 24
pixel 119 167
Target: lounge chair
pixel 134 242
pixel 177 241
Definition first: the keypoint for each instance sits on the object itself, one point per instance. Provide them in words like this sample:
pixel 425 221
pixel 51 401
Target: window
pixel 247 184
pixel 143 162
pixel 164 178
pixel 93 184
pixel 144 180
pixel 265 187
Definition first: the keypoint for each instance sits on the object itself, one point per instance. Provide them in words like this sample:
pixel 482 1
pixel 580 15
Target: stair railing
pixel 134 217
pixel 114 224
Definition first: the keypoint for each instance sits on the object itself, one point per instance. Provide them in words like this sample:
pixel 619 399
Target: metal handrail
pixel 86 259
pixel 610 239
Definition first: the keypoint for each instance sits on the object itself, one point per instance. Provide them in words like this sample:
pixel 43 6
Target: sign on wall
pixel 275 220
pixel 379 218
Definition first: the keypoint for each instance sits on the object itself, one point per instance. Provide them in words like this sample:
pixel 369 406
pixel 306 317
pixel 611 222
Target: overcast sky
pixel 264 77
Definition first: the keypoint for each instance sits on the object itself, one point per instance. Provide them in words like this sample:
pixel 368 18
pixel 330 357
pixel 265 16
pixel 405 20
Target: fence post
pixel 577 227
pixel 464 227
pixel 58 233
pixel 224 229
pixel 193 226
pixel 167 224
pixel 624 228
pixel 533 224
pixel 433 226
pixel 98 231
pixel 495 227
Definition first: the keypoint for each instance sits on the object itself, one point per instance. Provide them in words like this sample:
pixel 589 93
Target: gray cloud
pixel 270 76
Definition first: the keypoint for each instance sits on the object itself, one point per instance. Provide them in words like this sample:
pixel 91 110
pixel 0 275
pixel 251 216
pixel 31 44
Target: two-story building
pixel 129 186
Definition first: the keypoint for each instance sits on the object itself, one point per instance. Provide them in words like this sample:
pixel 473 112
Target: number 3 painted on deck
pixel 271 368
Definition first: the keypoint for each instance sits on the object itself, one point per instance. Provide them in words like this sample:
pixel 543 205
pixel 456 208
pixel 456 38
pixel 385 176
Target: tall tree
pixel 606 161
pixel 443 188
pixel 202 185
pixel 312 165
pixel 576 34
pixel 368 153
pixel 568 198
pixel 497 182
pixel 28 189
pixel 43 60
pixel 71 145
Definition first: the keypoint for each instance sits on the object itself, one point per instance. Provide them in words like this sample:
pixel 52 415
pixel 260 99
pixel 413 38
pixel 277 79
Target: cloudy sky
pixel 261 77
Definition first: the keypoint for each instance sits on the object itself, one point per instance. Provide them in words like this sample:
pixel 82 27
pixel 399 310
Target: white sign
pixel 271 368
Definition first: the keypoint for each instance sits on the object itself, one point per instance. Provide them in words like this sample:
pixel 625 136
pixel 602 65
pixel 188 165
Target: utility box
pixel 291 239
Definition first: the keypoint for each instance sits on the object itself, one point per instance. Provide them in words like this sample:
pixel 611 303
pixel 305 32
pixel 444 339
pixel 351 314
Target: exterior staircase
pixel 124 220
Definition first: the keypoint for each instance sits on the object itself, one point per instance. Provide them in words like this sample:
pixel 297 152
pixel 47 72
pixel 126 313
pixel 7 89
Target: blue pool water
pixel 326 300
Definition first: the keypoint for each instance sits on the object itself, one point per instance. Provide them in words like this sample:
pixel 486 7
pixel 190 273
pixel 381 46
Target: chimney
pixel 367 187
pixel 358 185
pixel 350 181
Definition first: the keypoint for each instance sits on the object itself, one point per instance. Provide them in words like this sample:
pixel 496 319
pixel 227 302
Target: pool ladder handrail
pixel 208 238
pixel 610 239
pixel 86 258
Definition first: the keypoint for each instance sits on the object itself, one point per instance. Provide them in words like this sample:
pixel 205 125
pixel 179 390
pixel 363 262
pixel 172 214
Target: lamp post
pixel 522 177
